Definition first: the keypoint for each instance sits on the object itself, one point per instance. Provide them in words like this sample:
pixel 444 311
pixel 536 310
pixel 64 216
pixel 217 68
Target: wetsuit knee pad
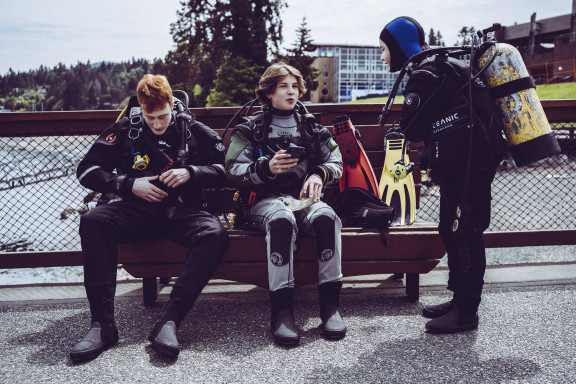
pixel 281 239
pixel 325 234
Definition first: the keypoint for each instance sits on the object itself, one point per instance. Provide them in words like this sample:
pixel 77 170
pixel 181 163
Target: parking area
pixel 526 334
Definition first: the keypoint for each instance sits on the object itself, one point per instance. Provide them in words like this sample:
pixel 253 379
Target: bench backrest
pixel 373 142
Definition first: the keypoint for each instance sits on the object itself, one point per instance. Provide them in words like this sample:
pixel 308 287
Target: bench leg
pixel 413 286
pixel 164 280
pixel 150 290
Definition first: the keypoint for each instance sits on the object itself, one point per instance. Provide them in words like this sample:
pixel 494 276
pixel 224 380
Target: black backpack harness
pixel 256 128
pixel 134 148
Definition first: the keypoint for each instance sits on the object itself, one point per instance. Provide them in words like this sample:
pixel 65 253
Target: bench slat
pixel 404 243
pixel 305 272
pixel 530 238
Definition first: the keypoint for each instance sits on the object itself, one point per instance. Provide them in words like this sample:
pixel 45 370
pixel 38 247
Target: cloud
pixel 360 21
pixel 36 32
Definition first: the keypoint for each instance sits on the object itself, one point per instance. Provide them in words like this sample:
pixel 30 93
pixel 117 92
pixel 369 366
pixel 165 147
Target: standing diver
pixel 278 156
pixel 436 111
pixel 143 158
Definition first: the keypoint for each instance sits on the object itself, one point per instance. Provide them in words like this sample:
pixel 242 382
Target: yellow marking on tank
pixel 522 113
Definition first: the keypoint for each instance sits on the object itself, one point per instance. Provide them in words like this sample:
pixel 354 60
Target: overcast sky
pixel 46 32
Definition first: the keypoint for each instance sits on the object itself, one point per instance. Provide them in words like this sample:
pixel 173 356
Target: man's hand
pixel 145 190
pixel 312 187
pixel 175 177
pixel 281 162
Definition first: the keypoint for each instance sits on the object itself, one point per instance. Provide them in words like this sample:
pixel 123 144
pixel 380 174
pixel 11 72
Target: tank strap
pixel 134 130
pixel 136 121
pixel 253 128
pixel 511 87
pixel 309 130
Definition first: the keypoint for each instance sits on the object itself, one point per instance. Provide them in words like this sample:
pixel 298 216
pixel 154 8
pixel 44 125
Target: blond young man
pixel 261 163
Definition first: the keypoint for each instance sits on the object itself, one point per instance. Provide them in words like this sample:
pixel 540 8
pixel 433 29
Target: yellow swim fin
pixel 396 185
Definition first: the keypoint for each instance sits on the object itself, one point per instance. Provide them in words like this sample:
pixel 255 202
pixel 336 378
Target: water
pixel 49 275
pixel 33 213
pixel 31 217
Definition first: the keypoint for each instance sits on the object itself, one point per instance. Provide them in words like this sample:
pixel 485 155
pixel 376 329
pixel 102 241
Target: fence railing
pixel 560 71
pixel 41 199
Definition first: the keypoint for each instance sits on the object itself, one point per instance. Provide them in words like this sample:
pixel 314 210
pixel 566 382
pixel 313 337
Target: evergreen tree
pixel 209 33
pixel 299 59
pixel 235 83
pixel 82 86
pixel 432 38
pixel 464 37
pixel 92 100
pixel 440 40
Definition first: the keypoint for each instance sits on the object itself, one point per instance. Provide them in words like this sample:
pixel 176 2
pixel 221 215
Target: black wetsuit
pixel 435 111
pixel 108 168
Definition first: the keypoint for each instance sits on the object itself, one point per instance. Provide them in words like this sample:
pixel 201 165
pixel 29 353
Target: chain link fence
pixel 534 197
pixel 40 197
pixel 41 200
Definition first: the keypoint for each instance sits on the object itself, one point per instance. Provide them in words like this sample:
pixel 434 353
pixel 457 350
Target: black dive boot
pixel 333 326
pixel 102 334
pixel 454 321
pixel 435 311
pixel 163 335
pixel 282 320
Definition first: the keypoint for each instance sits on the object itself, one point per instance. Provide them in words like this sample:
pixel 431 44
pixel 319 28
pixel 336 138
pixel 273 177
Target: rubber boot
pixel 282 324
pixel 435 311
pixel 163 335
pixel 333 326
pixel 102 334
pixel 454 321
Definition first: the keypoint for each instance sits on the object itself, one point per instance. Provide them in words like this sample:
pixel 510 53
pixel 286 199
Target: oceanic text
pixel 446 120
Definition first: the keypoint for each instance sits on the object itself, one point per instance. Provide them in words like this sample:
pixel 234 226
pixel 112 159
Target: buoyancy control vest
pixel 189 139
pixel 464 125
pixel 501 68
pixel 256 128
pixel 140 151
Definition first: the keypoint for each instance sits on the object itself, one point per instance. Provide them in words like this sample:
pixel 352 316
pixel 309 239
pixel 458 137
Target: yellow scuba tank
pixel 513 90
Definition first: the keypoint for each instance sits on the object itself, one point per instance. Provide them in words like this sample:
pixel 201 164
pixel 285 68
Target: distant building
pixel 548 46
pixel 350 72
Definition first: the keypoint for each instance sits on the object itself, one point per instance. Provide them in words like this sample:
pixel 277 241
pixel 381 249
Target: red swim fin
pixel 357 171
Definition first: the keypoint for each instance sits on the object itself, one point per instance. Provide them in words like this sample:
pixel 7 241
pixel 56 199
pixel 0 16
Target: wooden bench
pixel 409 250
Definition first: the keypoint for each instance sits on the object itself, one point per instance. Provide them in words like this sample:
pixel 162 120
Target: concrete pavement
pixel 526 335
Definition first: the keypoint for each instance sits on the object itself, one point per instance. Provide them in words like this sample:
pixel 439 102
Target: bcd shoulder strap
pixel 136 124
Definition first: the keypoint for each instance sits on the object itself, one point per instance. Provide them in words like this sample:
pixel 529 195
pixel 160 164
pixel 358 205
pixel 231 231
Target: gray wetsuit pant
pixel 281 225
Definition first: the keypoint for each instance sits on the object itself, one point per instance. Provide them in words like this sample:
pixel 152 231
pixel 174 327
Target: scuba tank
pixel 513 90
pixel 501 67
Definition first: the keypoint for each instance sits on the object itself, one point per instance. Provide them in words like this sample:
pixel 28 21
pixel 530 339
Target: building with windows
pixel 350 72
pixel 548 46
